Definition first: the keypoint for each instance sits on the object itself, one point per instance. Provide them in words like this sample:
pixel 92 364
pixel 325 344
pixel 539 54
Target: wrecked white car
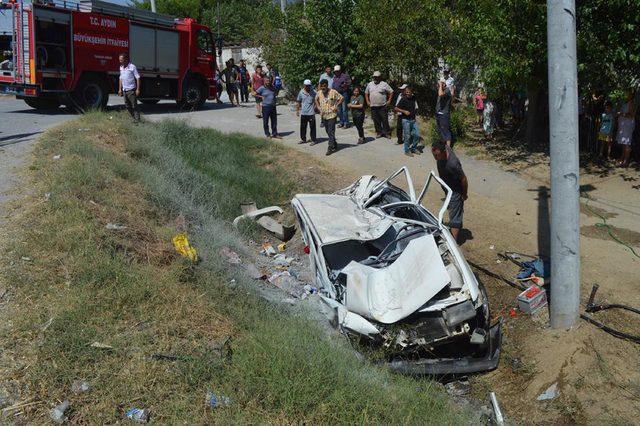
pixel 392 273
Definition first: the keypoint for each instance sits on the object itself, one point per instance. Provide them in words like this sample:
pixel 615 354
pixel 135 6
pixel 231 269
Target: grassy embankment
pixel 73 282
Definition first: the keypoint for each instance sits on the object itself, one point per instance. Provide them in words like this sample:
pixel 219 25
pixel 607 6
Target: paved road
pixel 19 127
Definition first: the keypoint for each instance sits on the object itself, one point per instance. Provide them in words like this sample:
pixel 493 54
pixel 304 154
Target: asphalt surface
pixel 20 126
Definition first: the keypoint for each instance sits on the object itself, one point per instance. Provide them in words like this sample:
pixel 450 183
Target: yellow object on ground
pixel 181 243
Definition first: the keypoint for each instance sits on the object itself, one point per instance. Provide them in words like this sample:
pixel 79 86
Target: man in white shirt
pixel 378 95
pixel 129 85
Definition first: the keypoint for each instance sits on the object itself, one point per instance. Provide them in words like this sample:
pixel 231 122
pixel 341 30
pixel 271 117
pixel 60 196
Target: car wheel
pixel 39 103
pixel 91 93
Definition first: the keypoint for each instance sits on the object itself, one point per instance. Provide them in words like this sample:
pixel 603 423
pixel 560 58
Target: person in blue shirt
pixel 605 136
pixel 269 98
pixel 305 109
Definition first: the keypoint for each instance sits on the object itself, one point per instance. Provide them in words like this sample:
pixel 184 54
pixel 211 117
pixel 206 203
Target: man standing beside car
pixel 129 85
pixel 450 171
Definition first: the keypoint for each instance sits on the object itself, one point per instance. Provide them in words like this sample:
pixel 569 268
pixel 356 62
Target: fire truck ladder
pixel 21 46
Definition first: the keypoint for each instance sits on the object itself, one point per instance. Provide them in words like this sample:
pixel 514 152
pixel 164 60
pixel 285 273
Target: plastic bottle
pixel 215 401
pixel 138 415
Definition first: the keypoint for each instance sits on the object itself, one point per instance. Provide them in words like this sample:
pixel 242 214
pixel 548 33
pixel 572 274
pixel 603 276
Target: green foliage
pixel 240 20
pixel 320 34
pixel 401 38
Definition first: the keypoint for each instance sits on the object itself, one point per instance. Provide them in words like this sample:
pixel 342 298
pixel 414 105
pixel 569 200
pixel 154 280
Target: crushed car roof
pixel 338 218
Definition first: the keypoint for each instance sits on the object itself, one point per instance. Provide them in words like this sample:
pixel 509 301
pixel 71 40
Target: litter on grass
pixel 138 415
pixel 57 414
pixel 182 246
pixel 551 392
pixel 215 401
pixel 230 255
pixel 115 227
pixel 250 211
pixel 80 386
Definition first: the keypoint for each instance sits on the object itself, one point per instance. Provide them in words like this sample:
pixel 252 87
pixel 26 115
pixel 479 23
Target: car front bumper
pixel 443 366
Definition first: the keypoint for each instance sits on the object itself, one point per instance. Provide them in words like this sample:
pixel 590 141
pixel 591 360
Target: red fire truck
pixel 66 53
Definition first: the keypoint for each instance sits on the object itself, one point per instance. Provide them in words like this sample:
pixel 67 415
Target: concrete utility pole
pixel 153 6
pixel 283 5
pixel 565 186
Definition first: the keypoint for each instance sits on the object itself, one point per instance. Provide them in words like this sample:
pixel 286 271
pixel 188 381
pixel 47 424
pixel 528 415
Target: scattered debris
pixel 253 271
pixel 284 281
pixel 47 196
pixel 138 415
pixel 181 244
pixel 57 413
pixel 47 324
pixel 268 250
pixel 492 247
pixel 99 345
pixel 537 268
pixel 513 312
pixel 115 227
pixel 224 349
pixel 496 409
pixel 80 386
pixel 26 259
pixel 57 157
pixel 458 388
pixel 532 299
pixel 83 130
pixel 289 301
pixel 215 401
pixel 165 357
pixel 282 260
pixel 250 211
pixel 280 231
pixel 551 392
pixel 282 247
pixel 230 255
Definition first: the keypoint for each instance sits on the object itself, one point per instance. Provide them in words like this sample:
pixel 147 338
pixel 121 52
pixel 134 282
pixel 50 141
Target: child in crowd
pixel 606 131
pixel 356 105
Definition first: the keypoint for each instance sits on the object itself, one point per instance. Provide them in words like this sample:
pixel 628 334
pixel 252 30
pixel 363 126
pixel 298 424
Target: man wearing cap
pixel 305 108
pixel 327 102
pixel 341 84
pixel 399 116
pixel 378 95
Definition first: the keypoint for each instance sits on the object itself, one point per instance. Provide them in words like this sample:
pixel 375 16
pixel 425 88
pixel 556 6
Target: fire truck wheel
pixel 91 93
pixel 38 103
pixel 194 95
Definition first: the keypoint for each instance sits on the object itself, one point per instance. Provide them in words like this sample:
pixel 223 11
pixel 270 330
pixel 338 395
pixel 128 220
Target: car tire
pixel 91 93
pixel 193 95
pixel 39 103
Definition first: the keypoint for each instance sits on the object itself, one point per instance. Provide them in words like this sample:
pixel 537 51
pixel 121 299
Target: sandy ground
pixel 598 375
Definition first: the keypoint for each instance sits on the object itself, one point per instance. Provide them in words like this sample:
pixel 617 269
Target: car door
pixel 432 176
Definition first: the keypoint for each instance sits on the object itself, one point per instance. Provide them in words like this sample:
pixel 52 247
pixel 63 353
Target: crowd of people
pixel 335 98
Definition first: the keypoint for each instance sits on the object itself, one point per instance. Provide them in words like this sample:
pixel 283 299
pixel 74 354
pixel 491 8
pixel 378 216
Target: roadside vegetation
pixel 147 328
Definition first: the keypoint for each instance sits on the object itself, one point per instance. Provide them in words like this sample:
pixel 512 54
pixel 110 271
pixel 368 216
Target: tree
pixel 311 37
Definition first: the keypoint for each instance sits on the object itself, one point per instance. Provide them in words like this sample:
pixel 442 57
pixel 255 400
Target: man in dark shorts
pixel 231 78
pixel 244 81
pixel 450 171
pixel 443 112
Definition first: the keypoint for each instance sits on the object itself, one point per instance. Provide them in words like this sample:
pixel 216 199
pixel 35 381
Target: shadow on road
pixel 17 138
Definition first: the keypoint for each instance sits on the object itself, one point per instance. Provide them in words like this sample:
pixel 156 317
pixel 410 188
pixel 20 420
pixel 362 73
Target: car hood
pixel 393 293
pixel 338 218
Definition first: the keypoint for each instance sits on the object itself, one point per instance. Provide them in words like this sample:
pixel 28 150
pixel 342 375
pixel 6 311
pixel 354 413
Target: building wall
pixel 252 56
